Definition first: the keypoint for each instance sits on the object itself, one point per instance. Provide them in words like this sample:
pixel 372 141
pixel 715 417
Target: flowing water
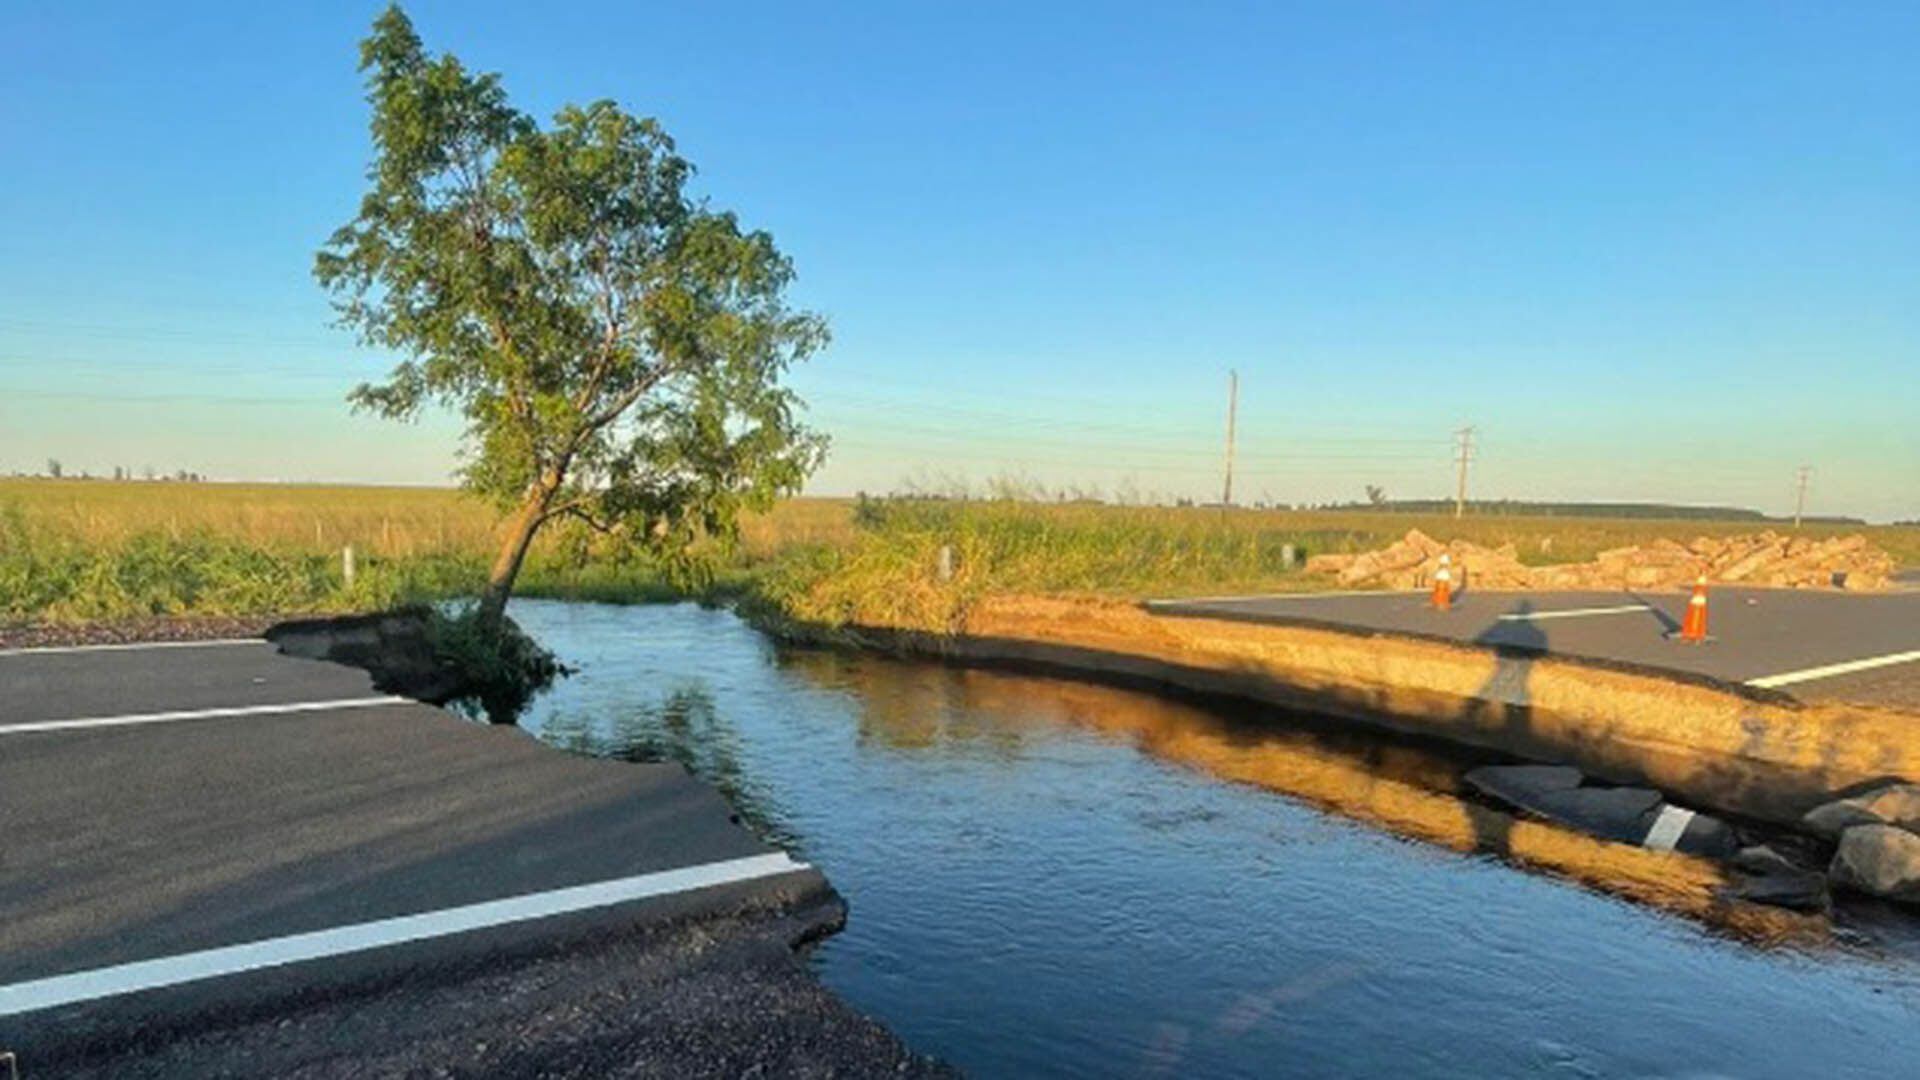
pixel 1052 878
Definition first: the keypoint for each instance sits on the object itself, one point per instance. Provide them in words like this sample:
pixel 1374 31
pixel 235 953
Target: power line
pixel 893 406
pixel 919 436
pixel 895 450
pixel 170 398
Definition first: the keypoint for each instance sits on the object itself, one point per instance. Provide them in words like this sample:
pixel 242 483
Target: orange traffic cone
pixel 1694 626
pixel 1443 585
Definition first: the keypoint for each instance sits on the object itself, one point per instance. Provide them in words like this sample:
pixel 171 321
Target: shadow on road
pixel 1668 624
pixel 1516 644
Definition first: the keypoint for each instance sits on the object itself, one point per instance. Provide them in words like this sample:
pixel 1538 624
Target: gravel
pixel 727 996
pixel 159 628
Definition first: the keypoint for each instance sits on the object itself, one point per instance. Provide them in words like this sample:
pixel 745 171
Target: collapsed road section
pixel 208 845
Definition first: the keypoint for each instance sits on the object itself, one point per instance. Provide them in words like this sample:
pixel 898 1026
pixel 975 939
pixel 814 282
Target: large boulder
pixel 1646 577
pixel 1360 569
pixel 1746 560
pixel 1879 860
pixel 1422 543
pixel 1405 554
pixel 1891 804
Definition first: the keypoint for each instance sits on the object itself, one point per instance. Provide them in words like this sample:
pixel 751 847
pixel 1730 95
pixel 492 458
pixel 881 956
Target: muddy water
pixel 1053 878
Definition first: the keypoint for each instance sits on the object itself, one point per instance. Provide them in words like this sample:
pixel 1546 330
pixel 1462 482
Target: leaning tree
pixel 615 346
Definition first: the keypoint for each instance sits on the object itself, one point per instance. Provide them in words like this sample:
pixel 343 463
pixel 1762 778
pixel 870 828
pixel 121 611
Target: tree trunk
pixel 506 565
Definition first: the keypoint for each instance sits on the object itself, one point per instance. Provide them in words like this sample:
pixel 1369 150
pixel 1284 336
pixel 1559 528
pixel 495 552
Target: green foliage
pixel 869 512
pixel 44 576
pixel 499 665
pixel 615 346
pixel 48 574
pixel 72 551
pixel 888 573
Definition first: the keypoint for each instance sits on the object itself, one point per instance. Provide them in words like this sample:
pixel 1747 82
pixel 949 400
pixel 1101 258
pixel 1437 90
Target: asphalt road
pixel 61 684
pixel 1771 637
pixel 214 840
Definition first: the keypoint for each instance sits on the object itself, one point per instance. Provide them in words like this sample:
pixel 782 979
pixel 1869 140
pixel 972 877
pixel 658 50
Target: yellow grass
pixel 1025 547
pixel 406 520
pixel 886 574
pixel 395 522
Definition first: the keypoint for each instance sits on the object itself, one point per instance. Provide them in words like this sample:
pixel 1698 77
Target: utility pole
pixel 1233 407
pixel 1800 499
pixel 1463 454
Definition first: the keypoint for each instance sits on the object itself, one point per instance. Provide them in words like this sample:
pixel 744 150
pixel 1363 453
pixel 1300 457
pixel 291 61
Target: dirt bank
pixel 1712 746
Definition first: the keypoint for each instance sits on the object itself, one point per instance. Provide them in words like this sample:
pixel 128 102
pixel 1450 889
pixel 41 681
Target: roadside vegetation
pixel 75 551
pixel 890 571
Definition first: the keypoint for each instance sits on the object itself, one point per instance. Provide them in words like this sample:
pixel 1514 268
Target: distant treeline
pixel 1517 507
pixel 58 471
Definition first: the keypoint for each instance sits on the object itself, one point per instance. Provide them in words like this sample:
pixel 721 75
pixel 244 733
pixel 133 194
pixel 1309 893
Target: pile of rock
pixel 1874 836
pixel 1768 558
pixel 1410 564
pixel 1878 851
pixel 1643 817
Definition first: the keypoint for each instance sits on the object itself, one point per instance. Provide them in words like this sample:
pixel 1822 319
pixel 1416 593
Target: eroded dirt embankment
pixel 1716 746
pixel 1757 755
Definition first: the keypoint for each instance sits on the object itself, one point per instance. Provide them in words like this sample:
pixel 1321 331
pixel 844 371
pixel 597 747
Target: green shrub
pixel 500 670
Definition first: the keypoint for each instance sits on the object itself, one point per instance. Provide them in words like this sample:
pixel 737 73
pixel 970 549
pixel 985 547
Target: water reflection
pixel 684 726
pixel 929 707
pixel 993 713
pixel 1049 878
pixel 1410 786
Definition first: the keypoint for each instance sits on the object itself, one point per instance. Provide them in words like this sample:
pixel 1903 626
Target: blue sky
pixel 1652 251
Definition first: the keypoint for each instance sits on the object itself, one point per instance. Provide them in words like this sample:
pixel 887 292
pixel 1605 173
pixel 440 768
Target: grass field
pixel 82 550
pixel 385 522
pixel 887 572
pixel 94 550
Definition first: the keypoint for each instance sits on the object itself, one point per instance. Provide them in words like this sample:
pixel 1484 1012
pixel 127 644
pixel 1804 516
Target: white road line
pixel 1667 828
pixel 129 646
pixel 196 714
pixel 1788 678
pixel 1572 613
pixel 82 986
